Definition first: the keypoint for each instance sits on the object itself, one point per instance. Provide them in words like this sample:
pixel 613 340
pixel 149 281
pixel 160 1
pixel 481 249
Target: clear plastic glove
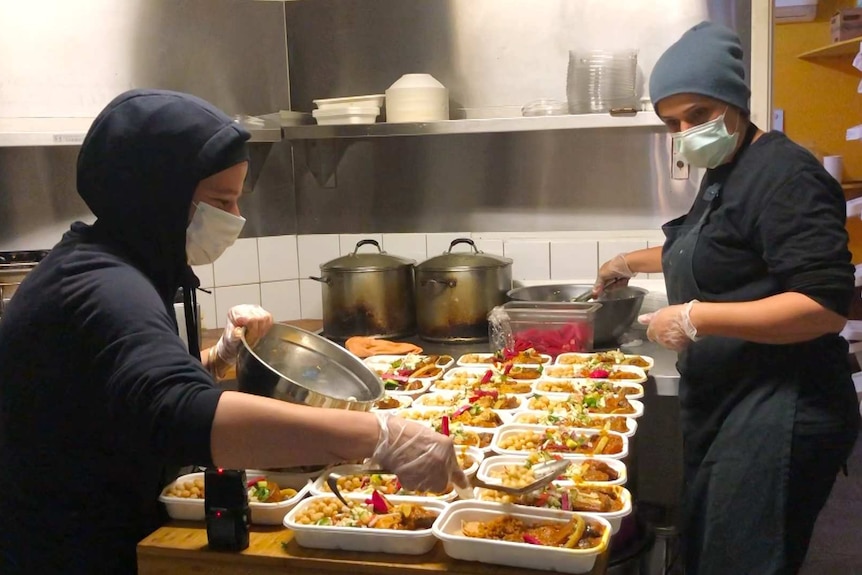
pixel 423 459
pixel 671 326
pixel 257 322
pixel 615 268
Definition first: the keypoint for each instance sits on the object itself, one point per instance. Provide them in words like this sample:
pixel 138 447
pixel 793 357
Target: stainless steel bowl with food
pixel 298 366
pixel 620 306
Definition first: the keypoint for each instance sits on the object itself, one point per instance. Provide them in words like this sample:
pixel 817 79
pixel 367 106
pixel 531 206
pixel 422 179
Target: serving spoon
pixel 544 472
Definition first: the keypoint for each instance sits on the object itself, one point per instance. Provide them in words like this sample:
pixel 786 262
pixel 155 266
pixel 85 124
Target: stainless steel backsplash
pixel 493 55
pixel 533 181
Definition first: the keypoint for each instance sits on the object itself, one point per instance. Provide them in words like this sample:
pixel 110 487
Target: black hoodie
pixel 98 395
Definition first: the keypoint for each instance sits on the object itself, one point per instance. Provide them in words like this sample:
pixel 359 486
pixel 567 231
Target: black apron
pixel 737 410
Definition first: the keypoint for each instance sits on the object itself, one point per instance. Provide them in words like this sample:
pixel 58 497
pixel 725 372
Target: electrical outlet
pixel 778 120
pixel 678 167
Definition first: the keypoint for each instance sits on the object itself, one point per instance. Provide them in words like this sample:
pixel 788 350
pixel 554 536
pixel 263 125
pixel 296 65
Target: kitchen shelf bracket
pixel 322 158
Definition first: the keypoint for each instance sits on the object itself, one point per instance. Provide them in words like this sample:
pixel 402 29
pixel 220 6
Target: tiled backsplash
pixel 273 271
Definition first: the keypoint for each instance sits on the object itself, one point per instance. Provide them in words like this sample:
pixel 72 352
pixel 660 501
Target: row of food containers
pixel 562 527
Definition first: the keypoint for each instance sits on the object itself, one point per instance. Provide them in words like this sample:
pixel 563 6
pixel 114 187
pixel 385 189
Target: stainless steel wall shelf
pixel 71 131
pixel 471 126
pixel 324 145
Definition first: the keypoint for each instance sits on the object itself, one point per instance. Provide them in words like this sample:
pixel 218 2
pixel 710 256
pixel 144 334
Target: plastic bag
pixel 500 334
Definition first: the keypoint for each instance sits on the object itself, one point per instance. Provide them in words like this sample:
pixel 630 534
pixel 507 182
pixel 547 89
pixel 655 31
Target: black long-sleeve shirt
pixel 98 394
pixel 777 225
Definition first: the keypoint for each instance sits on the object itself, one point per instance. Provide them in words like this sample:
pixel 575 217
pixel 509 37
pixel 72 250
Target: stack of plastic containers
pixel 599 81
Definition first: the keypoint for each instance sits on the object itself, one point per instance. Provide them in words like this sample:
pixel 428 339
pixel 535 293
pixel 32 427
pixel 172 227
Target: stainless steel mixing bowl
pixel 619 309
pixel 298 366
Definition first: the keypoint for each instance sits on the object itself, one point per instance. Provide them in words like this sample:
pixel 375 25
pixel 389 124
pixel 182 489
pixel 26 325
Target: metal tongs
pixel 544 472
pixel 588 295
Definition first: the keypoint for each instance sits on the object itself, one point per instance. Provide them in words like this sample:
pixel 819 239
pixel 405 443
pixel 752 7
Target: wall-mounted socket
pixel 778 120
pixel 678 167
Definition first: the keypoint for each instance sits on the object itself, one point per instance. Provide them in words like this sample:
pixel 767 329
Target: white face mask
pixel 210 233
pixel 706 146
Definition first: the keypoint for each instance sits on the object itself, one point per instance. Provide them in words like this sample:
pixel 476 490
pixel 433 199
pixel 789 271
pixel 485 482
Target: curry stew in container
pixel 374 524
pixel 525 537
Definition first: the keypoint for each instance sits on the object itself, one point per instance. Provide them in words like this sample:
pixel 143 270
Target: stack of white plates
pixel 600 81
pixel 350 110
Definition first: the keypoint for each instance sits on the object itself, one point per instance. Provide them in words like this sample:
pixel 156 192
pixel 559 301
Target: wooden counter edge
pixel 180 548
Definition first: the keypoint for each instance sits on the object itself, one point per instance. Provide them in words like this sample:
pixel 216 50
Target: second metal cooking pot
pixel 456 290
pixel 368 294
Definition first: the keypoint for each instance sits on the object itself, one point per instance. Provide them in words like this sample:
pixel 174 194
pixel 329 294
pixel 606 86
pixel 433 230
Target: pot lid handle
pixel 361 243
pixel 457 241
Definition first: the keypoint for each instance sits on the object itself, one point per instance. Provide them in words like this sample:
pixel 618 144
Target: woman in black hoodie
pixel 99 397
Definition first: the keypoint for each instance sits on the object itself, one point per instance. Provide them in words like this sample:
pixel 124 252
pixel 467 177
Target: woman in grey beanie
pixel 759 282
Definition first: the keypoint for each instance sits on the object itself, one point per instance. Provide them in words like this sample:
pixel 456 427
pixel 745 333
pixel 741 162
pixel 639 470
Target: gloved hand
pixel 615 268
pixel 671 326
pixel 257 322
pixel 423 459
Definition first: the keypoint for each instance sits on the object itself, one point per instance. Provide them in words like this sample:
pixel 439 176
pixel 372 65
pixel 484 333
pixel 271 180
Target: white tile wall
pixel 610 248
pixel 410 246
pixel 205 274
pixel 439 243
pixel 574 259
pixel 209 319
pixel 311 299
pixel 281 299
pixel 278 258
pixel 273 271
pixel 227 297
pixel 493 247
pixel 315 250
pixel 347 243
pixel 238 265
pixel 531 259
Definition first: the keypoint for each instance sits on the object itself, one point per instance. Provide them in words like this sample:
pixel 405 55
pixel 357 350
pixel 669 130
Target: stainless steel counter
pixel 664 372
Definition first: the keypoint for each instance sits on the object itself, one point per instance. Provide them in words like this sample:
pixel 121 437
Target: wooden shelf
pixel 836 50
pixel 852 190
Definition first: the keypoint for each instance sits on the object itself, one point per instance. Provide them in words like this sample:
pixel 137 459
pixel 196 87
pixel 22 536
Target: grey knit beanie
pixel 706 60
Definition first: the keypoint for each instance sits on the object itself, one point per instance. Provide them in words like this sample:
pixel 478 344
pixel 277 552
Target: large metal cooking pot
pixel 14 267
pixel 298 366
pixel 619 309
pixel 368 294
pixel 456 290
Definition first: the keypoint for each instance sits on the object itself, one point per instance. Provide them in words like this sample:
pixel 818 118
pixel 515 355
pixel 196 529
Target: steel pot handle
pixel 361 243
pixel 320 279
pixel 447 283
pixel 457 241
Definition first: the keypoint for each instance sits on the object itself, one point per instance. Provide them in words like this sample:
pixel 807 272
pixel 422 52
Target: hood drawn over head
pixel 138 168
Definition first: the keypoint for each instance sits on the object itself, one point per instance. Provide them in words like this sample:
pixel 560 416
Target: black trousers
pixel 815 461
